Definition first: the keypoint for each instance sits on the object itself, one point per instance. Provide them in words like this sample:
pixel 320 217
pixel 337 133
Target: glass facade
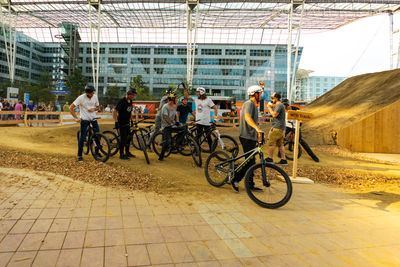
pixel 313 87
pixel 225 70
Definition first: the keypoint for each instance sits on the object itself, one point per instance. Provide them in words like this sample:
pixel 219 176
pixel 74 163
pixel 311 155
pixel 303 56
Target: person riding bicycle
pixel 183 110
pixel 202 113
pixel 168 120
pixel 88 105
pixel 276 134
pixel 157 119
pixel 122 116
pixel 249 132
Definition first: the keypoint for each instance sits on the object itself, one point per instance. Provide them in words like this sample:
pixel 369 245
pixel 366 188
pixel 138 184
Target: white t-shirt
pixel 203 108
pixel 85 104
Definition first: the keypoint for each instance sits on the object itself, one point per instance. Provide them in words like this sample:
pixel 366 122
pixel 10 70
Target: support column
pixel 95 67
pixel 191 39
pixel 10 45
pixel 293 28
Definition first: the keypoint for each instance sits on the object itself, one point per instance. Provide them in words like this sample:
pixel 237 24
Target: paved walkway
pixel 394 158
pixel 51 221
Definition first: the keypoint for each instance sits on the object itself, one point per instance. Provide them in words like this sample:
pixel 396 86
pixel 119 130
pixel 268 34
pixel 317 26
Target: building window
pixel 22 73
pixel 118 50
pixel 117 60
pixel 160 61
pixel 23 52
pixel 159 70
pixel 257 63
pixel 211 51
pixel 163 51
pixel 260 53
pixel 183 51
pixel 140 51
pixel 3 69
pixel 145 61
pixel 21 62
pixel 235 52
pixel 89 50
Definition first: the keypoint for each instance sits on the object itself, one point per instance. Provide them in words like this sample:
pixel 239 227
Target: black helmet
pixel 286 102
pixel 168 91
pixel 276 95
pixel 131 90
pixel 89 89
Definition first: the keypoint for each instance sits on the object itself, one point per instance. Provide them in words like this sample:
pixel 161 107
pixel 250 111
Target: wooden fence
pixel 377 133
pixel 60 118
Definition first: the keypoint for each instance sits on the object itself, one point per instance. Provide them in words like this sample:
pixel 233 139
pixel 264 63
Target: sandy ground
pixel 54 149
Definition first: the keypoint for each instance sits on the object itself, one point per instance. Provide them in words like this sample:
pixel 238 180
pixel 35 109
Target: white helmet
pixel 254 89
pixel 201 90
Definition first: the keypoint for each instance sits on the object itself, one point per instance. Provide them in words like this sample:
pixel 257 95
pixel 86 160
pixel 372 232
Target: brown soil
pixel 53 149
pixel 350 101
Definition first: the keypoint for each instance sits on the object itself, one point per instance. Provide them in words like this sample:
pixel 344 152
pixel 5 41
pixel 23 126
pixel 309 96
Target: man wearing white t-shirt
pixel 202 112
pixel 88 106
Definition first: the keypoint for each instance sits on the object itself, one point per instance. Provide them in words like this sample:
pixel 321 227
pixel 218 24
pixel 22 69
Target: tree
pixel 76 83
pixel 40 91
pixel 143 91
pixel 112 95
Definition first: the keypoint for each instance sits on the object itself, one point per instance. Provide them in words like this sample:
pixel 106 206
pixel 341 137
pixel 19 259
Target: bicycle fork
pixel 265 181
pixel 220 140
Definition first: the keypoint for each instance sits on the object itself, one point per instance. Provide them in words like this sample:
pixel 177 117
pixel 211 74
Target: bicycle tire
pixel 215 166
pixel 100 147
pixel 157 145
pixel 307 148
pixel 278 179
pixel 185 150
pixel 143 148
pixel 114 142
pixel 289 150
pixel 231 146
pixel 85 143
pixel 195 149
pixel 135 134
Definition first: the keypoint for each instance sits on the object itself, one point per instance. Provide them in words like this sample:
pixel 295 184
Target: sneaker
pixel 124 157
pixel 130 155
pixel 80 159
pixel 160 159
pixel 235 186
pixel 282 162
pixel 269 160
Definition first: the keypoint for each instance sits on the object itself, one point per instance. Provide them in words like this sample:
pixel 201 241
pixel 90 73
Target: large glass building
pixel 223 69
pixel 314 86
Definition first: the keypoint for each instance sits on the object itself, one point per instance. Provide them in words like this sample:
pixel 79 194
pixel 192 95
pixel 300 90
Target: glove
pixel 116 125
pixel 177 124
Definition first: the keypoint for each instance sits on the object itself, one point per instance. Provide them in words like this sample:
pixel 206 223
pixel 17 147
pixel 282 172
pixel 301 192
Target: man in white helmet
pixel 249 132
pixel 202 112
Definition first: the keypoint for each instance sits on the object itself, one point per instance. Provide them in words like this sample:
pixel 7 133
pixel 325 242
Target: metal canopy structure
pixel 42 15
pixel 188 21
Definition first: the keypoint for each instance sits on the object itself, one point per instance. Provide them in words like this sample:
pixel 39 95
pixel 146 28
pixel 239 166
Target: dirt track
pixel 54 149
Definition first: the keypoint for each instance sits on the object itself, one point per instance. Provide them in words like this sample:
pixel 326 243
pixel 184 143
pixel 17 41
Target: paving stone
pixel 32 242
pixel 53 241
pixel 11 242
pixel 137 255
pixel 22 258
pixel 92 257
pixel 69 257
pixel 74 240
pixel 115 256
pixel 158 254
pixel 134 236
pixel 114 237
pixel 47 258
pixel 94 238
pixel 179 252
pixel 200 251
pixel 41 226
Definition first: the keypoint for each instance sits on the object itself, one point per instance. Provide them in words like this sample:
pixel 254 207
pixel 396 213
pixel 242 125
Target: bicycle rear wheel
pixel 194 149
pixel 135 142
pixel 228 144
pixel 85 143
pixel 157 145
pixel 274 195
pixel 204 146
pixel 143 148
pixel 100 147
pixel 114 142
pixel 217 168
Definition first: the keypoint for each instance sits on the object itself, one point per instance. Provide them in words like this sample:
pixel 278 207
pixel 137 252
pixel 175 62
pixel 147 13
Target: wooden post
pixel 296 148
pixel 61 119
pixel 26 118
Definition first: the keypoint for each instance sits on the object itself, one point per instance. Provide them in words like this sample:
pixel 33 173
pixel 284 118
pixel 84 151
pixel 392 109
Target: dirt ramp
pixel 350 101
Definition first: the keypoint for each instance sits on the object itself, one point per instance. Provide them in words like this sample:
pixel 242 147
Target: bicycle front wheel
pixel 143 148
pixel 100 147
pixel 157 145
pixel 217 168
pixel 194 149
pixel 114 142
pixel 228 144
pixel 275 193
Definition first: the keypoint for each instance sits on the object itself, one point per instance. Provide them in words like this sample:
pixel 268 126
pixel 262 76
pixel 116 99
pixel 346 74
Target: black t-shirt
pixel 183 112
pixel 124 109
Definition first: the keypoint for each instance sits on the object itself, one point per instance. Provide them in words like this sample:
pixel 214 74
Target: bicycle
pixel 220 169
pixel 135 134
pixel 181 142
pixel 221 141
pixel 289 145
pixel 98 144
